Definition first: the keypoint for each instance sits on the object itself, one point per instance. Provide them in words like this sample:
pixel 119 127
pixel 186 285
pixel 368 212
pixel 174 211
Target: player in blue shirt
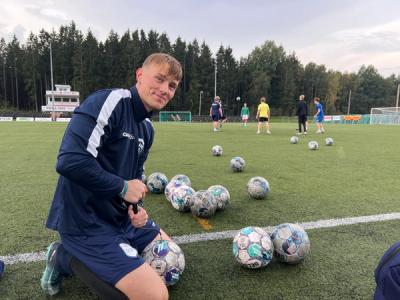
pixel 100 163
pixel 215 112
pixel 319 116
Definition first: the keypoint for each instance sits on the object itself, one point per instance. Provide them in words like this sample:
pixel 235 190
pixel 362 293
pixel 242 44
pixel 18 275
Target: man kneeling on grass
pixel 100 164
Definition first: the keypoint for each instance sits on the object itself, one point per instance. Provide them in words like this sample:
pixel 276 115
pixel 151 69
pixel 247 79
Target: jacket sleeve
pixel 80 165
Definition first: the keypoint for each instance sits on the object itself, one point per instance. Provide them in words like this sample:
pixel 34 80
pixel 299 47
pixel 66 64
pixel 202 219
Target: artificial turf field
pixel 358 176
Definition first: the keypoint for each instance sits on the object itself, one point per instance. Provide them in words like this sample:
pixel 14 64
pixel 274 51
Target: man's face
pixel 155 87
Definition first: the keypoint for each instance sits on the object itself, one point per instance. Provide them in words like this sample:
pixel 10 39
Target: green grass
pixel 355 177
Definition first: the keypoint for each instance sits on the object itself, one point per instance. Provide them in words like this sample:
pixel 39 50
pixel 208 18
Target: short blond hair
pixel 174 66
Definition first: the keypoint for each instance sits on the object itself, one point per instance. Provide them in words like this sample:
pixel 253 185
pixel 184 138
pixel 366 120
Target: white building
pixel 65 100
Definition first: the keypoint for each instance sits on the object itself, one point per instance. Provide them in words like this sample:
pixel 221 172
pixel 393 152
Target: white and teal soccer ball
pixel 182 178
pixel 181 198
pixel 216 150
pixel 221 195
pixel 329 141
pixel 313 145
pixel 291 243
pixel 203 204
pixel 237 164
pixel 157 182
pixel 166 258
pixel 171 186
pixel 294 140
pixel 252 247
pixel 258 187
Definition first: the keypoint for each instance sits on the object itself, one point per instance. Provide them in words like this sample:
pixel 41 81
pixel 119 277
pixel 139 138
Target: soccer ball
pixel 183 178
pixel 181 197
pixel 221 195
pixel 258 187
pixel 291 243
pixel 203 204
pixel 329 141
pixel 237 164
pixel 252 247
pixel 171 186
pixel 294 140
pixel 157 182
pixel 216 150
pixel 166 258
pixel 313 145
pixel 237 98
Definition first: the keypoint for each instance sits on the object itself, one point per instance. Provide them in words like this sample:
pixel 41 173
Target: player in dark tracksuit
pixel 100 163
pixel 302 112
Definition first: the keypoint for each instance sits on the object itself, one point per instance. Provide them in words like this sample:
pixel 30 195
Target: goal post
pixel 385 116
pixel 175 116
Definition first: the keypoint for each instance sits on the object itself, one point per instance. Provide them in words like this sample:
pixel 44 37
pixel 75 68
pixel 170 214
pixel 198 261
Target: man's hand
pixel 136 191
pixel 140 219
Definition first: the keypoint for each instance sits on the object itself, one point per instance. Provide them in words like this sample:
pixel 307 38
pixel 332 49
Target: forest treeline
pixel 87 64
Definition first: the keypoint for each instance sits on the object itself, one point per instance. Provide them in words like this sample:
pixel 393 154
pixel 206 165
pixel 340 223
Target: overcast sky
pixel 341 34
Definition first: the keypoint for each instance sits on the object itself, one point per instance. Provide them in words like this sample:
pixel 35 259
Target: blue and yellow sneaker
pixel 52 278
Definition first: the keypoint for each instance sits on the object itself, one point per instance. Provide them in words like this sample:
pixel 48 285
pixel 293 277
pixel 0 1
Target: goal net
pixel 175 116
pixel 385 116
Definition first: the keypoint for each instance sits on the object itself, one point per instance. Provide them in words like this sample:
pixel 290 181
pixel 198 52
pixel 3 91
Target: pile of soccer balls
pixel 254 248
pixel 178 192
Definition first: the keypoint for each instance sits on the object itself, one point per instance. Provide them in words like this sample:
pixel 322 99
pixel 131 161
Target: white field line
pixel 192 238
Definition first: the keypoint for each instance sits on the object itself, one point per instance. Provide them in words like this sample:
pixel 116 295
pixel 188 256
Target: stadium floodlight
pixel 52 85
pixel 201 93
pixel 385 116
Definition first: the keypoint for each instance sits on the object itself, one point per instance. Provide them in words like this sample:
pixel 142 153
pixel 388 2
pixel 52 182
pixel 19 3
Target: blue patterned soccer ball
pixel 221 196
pixel 329 141
pixel 313 145
pixel 157 182
pixel 203 204
pixel 258 187
pixel 237 164
pixel 216 150
pixel 252 247
pixel 171 186
pixel 166 258
pixel 291 243
pixel 294 140
pixel 182 178
pixel 181 198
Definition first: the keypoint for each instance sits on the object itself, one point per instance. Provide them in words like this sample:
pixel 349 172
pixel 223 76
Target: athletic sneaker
pixel 268 132
pixel 51 278
pixel 305 132
pixel 318 131
pixel 258 132
pixel 216 130
pixel 298 133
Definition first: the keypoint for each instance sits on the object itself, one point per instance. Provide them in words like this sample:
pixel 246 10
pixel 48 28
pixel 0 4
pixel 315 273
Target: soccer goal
pixel 385 116
pixel 175 116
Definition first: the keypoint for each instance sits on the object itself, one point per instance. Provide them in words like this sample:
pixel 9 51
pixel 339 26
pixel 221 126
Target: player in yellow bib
pixel 263 115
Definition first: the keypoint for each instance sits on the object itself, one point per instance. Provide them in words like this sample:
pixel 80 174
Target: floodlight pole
pixel 397 98
pixel 215 79
pixel 4 82
pixel 52 84
pixel 201 93
pixel 348 104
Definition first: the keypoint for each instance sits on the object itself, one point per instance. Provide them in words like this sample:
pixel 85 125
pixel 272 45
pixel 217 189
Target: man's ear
pixel 139 73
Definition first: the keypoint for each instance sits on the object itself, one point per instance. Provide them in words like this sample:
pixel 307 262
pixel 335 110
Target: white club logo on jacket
pixel 132 137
